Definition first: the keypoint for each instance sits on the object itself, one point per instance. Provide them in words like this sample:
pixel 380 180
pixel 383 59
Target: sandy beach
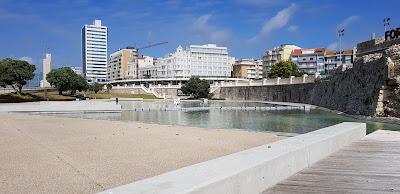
pixel 44 154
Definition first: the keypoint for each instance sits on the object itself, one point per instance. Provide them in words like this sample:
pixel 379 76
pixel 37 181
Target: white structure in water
pixel 197 60
pixel 94 52
pixel 46 69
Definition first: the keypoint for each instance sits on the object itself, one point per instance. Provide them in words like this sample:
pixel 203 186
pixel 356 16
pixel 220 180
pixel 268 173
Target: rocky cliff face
pixel 391 90
pixel 370 88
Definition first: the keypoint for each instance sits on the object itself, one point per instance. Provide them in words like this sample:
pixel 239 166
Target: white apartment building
pixel 46 69
pixel 277 54
pixel 197 60
pixel 94 52
pixel 147 69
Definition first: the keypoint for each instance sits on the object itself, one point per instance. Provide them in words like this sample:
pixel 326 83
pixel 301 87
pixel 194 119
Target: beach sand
pixel 46 154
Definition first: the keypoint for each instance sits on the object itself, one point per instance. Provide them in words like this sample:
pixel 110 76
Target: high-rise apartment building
pixel 197 60
pixel 46 69
pixel 94 52
pixel 277 54
pixel 248 69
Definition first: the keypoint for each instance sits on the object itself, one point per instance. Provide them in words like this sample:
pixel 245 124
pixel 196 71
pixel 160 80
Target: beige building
pixel 46 69
pixel 121 64
pixel 248 69
pixel 275 55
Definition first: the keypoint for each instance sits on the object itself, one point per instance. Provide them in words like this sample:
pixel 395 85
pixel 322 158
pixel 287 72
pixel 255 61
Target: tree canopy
pixel 96 87
pixel 64 79
pixel 197 88
pixel 284 69
pixel 15 73
pixel 109 87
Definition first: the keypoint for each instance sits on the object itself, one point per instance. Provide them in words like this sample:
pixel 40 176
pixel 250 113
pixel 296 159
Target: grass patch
pixel 120 95
pixel 16 98
pixel 54 96
pixel 34 97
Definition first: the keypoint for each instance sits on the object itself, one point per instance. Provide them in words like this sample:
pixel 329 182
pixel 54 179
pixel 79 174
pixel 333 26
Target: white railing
pixel 275 81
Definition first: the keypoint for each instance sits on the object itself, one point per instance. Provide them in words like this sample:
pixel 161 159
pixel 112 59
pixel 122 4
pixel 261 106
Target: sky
pixel 247 27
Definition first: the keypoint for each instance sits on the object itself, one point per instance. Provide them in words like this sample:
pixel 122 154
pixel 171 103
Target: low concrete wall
pixel 251 171
pixel 128 90
pixel 69 106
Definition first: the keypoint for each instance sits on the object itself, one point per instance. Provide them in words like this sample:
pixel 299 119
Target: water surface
pixel 186 114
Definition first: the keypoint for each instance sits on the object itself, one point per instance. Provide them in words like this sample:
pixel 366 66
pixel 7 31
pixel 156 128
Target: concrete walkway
pixel 371 165
pixel 43 154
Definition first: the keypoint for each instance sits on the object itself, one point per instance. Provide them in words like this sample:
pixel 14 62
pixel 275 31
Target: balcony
pixel 307 66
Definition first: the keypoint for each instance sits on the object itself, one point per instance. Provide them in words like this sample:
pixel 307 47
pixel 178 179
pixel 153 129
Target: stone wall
pixel 370 88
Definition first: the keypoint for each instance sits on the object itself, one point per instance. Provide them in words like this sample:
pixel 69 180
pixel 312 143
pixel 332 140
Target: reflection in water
pixel 288 121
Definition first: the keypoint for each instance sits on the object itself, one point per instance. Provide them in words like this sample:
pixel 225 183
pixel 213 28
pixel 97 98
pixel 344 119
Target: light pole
pixel 340 34
pixel 386 22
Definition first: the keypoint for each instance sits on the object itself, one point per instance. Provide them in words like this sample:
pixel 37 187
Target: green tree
pixel 284 69
pixel 15 73
pixel 96 87
pixel 109 87
pixel 64 79
pixel 79 84
pixel 197 88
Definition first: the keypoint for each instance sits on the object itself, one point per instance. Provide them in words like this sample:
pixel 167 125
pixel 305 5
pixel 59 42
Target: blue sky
pixel 246 27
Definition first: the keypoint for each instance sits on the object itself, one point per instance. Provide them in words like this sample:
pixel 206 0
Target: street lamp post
pixel 340 34
pixel 386 22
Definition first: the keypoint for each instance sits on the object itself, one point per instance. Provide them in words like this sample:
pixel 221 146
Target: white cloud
pixel 349 20
pixel 293 28
pixel 27 59
pixel 274 23
pixel 202 28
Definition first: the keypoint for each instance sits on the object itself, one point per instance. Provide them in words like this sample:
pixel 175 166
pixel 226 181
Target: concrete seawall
pixel 251 171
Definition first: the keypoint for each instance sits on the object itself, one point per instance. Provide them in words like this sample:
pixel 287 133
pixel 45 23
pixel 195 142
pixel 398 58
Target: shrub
pixel 196 88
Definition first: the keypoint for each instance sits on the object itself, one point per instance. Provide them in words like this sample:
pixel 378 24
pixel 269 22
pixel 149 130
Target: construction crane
pixel 137 56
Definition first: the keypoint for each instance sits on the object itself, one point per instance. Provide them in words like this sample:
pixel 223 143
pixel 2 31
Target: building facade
pixel 77 70
pixel 197 60
pixel 275 55
pixel 334 60
pixel 94 52
pixel 46 69
pixel 147 68
pixel 310 60
pixel 122 64
pixel 248 69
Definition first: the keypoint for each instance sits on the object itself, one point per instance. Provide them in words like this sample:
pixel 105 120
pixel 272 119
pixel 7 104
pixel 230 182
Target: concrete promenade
pixel 44 154
pixel 371 165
